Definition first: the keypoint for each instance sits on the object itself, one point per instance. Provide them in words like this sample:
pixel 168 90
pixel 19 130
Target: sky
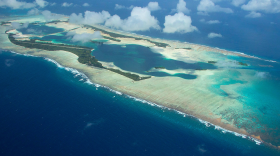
pixel 235 22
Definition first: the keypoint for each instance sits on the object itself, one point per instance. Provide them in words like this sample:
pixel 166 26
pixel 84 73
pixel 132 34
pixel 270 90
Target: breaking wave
pixel 85 79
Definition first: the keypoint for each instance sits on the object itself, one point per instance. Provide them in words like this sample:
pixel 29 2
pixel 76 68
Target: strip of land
pixel 193 96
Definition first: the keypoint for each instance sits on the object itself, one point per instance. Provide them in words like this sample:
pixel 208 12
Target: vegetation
pixel 54 21
pixel 201 69
pixel 159 67
pixel 242 64
pixel 129 75
pixel 239 63
pixel 3 23
pixel 115 35
pixel 84 54
pixel 184 48
pixel 111 38
pixel 212 62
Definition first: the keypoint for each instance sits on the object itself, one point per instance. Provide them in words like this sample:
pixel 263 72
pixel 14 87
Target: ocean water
pixel 50 110
pixel 141 59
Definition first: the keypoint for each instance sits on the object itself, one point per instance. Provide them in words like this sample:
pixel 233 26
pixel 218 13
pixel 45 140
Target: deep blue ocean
pixel 49 110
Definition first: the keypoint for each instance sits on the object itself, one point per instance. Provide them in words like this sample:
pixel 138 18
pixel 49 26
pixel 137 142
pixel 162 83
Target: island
pixel 213 96
pixel 160 67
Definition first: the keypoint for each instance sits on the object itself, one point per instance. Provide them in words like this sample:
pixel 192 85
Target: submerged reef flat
pixel 219 95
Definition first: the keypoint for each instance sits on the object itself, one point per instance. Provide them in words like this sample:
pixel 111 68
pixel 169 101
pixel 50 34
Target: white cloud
pixel 17 25
pixel 31 30
pixel 227 64
pixel 90 17
pixel 52 4
pixel 117 7
pixel 14 4
pixel 131 7
pixel 34 11
pixel 253 14
pixel 153 6
pixel 203 13
pixel 9 62
pixel 268 6
pixel 238 2
pixel 86 5
pixel 50 16
pixel 139 20
pixel 84 37
pixel 206 6
pixel 115 22
pixel 178 23
pixel 96 17
pixel 78 19
pixel 65 4
pixel 41 3
pixel 214 35
pixel 262 75
pixel 202 20
pixel 181 7
pixel 213 22
pixel 210 22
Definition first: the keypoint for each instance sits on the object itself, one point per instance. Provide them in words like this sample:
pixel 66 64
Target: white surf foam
pixel 87 80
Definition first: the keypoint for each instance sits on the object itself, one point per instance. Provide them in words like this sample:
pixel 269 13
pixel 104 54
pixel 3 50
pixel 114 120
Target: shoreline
pixel 184 114
pixel 129 89
pixel 215 49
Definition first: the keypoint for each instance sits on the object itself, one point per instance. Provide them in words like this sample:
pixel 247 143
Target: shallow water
pixel 40 30
pixel 140 59
pixel 47 110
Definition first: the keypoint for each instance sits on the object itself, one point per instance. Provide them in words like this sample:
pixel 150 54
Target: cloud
pixel 86 5
pixel 52 4
pixel 203 13
pixel 115 22
pixel 227 64
pixel 17 25
pixel 34 31
pixel 78 19
pixel 96 18
pixel 65 4
pixel 34 11
pixel 131 7
pixel 14 4
pixel 202 20
pixel 210 22
pixel 213 22
pixel 178 23
pixel 139 20
pixel 268 6
pixel 9 62
pixel 90 17
pixel 201 149
pixel 238 2
pixel 117 7
pixel 41 3
pixel 207 6
pixel 214 35
pixel 262 75
pixel 181 7
pixel 253 14
pixel 153 6
pixel 50 16
pixel 84 37
pixel 31 30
